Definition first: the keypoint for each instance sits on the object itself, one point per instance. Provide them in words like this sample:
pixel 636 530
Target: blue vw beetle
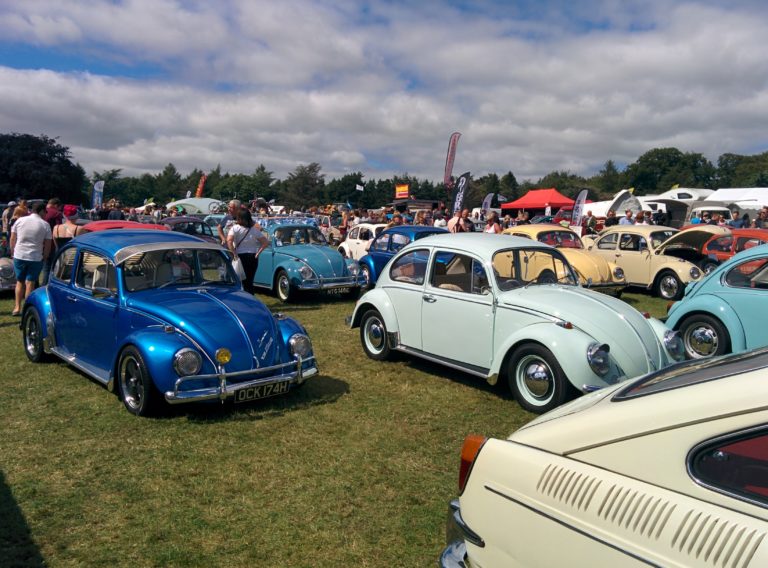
pixel 299 258
pixel 725 312
pixel 387 244
pixel 159 315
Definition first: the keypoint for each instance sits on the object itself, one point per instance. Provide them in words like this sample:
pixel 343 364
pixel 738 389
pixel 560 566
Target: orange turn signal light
pixel 469 451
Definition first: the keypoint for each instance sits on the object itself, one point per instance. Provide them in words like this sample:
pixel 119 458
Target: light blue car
pixel 725 312
pixel 299 258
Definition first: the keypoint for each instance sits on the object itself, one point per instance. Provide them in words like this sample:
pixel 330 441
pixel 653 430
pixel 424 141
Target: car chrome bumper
pixel 331 283
pixel 286 372
pixel 454 555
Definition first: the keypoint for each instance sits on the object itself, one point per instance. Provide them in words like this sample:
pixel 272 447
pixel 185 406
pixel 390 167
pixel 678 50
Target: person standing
pixel 456 223
pixel 628 218
pixel 233 207
pixel 492 224
pixel 611 219
pixel 54 218
pixel 30 248
pixel 68 230
pixel 246 241
pixel 591 223
pixel 7 214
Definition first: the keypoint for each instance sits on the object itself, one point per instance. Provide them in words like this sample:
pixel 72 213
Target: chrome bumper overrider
pixel 457 534
pixel 330 283
pixel 286 372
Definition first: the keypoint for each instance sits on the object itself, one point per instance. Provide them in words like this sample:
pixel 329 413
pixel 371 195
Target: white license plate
pixel 261 391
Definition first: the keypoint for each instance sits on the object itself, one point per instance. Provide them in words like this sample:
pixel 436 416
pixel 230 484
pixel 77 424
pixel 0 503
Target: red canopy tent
pixel 538 199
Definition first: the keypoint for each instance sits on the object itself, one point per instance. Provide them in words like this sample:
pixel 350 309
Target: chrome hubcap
pixel 535 378
pixel 33 337
pixel 701 341
pixel 669 286
pixel 284 286
pixel 131 383
pixel 374 334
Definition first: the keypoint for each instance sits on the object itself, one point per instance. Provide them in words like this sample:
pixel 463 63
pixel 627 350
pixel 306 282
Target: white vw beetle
pixel 668 470
pixel 499 306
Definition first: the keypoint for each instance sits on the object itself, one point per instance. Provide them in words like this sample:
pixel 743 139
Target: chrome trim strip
pixel 573 528
pixel 476 371
pixel 125 253
pixel 84 367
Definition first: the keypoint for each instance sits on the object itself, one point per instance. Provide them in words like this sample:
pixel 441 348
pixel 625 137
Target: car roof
pixel 638 229
pixel 482 244
pixel 413 229
pixel 120 244
pixel 537 228
pixel 181 219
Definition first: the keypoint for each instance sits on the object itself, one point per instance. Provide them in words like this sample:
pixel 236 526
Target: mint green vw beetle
pixel 501 307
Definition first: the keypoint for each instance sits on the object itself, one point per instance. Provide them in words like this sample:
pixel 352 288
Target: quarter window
pixel 410 268
pixel 608 242
pixel 399 241
pixel 382 243
pixel 62 270
pixel 737 465
pixel 354 233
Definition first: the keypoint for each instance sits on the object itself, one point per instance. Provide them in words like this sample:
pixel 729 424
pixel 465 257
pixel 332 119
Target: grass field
pixel 356 469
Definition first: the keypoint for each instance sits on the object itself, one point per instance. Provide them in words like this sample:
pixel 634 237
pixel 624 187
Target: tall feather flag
pixel 578 208
pixel 200 186
pixel 462 185
pixel 98 194
pixel 447 176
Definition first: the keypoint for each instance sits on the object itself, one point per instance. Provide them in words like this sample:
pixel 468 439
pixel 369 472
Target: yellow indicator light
pixel 223 356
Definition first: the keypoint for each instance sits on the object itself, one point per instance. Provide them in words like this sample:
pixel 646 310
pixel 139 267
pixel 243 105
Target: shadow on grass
pixel 315 391
pixel 442 372
pixel 16 545
pixel 11 323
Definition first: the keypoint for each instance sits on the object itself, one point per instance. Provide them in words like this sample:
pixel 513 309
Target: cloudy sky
pixel 378 86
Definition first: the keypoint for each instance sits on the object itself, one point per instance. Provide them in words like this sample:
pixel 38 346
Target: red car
pixel 720 248
pixel 109 225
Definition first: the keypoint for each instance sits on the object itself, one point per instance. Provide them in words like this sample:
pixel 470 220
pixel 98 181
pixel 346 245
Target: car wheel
pixel 708 266
pixel 536 379
pixel 373 335
pixel 283 286
pixel 137 390
pixel 547 277
pixel 33 336
pixel 366 272
pixel 704 336
pixel 669 286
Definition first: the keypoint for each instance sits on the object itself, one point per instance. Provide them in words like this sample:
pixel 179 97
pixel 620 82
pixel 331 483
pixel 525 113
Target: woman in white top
pixel 246 241
pixel 492 224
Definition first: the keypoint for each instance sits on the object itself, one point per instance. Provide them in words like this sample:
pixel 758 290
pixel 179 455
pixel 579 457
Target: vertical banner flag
pixel 452 143
pixel 359 187
pixel 401 191
pixel 98 194
pixel 578 208
pixel 200 186
pixel 487 202
pixel 459 191
pixel 189 194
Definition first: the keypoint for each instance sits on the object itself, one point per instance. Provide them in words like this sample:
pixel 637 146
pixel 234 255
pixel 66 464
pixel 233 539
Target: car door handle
pixel 429 299
pixel 71 299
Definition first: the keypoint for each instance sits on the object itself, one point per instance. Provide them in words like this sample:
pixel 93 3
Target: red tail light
pixel 469 451
pixel 646 315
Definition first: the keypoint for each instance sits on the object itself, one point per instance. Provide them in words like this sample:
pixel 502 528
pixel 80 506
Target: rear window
pixel 693 373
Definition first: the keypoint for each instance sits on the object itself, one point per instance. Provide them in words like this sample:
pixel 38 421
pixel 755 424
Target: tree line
pixel 40 167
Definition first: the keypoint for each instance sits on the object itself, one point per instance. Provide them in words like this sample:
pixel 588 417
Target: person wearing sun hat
pixel 68 230
pixel 7 216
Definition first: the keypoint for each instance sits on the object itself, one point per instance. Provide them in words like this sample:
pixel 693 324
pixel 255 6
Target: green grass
pixel 356 469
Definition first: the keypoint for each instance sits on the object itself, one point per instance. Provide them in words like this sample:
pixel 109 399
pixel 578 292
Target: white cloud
pixel 380 86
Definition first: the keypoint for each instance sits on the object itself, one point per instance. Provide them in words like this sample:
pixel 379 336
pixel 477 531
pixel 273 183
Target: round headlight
pixel 306 272
pixel 6 270
pixel 695 272
pixel 598 358
pixel 223 356
pixel 674 344
pixel 187 362
pixel 300 345
pixel 354 268
pixel 618 273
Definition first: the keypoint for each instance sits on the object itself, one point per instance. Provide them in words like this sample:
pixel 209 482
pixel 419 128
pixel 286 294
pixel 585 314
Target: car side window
pixel 630 242
pixel 62 270
pixel 399 241
pixel 608 242
pixel 721 244
pixel 744 243
pixel 381 244
pixel 95 271
pixel 353 234
pixel 458 273
pixel 737 465
pixel 749 274
pixel 411 267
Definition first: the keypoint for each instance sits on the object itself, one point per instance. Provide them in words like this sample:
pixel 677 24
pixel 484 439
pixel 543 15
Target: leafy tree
pixel 168 185
pixel 303 187
pixel 509 187
pixel 262 183
pixel 659 169
pixel 609 180
pixel 565 182
pixel 39 167
pixel 734 170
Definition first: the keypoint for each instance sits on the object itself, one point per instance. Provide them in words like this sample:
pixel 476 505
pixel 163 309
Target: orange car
pixel 720 248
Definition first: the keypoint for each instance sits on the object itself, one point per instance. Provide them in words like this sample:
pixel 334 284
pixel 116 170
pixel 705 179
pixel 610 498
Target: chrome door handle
pixel 71 299
pixel 429 299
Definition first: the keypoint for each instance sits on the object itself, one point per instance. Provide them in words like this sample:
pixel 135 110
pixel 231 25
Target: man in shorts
pixel 30 247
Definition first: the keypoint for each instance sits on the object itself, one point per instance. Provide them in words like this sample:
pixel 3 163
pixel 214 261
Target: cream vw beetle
pixel 486 304
pixel 655 257
pixel 668 470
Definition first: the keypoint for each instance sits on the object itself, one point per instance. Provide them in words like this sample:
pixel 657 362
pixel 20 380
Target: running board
pixel 471 369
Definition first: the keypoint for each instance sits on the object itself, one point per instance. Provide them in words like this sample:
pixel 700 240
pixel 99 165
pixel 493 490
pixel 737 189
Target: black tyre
pixel 367 283
pixel 32 329
pixel 536 379
pixel 704 336
pixel 373 335
pixel 136 388
pixel 283 288
pixel 669 286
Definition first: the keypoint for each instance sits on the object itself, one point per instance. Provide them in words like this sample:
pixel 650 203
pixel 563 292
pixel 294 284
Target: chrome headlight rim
pixel 300 345
pixel 673 343
pixel 306 272
pixel 187 361
pixel 618 273
pixel 354 268
pixel 599 359
pixel 695 272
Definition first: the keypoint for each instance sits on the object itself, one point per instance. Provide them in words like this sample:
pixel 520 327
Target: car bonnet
pixel 633 342
pixel 692 238
pixel 589 265
pixel 217 318
pixel 325 261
